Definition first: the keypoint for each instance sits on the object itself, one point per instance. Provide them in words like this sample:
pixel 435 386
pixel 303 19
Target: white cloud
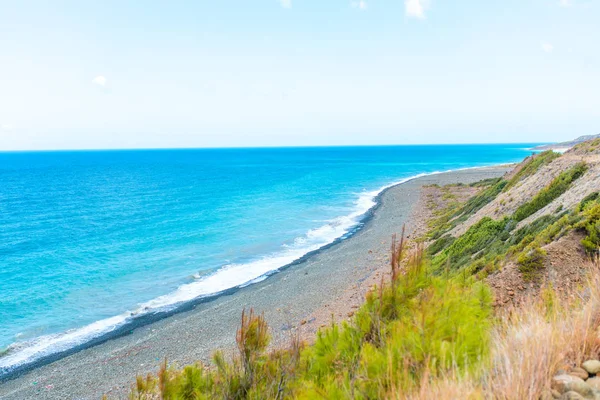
pixel 566 3
pixel 416 8
pixel 286 3
pixel 547 47
pixel 99 80
pixel 361 5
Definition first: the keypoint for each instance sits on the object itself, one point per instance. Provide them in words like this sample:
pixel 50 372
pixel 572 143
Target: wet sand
pixel 304 296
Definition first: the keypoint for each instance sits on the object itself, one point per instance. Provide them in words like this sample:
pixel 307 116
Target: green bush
pixel 485 182
pixel 454 214
pixel 531 262
pixel 591 223
pixel 477 238
pixel 440 244
pixel 420 325
pixel 477 202
pixel 557 187
pixel 592 197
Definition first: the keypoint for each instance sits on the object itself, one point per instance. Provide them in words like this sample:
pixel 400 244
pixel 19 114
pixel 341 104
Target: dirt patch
pixel 565 268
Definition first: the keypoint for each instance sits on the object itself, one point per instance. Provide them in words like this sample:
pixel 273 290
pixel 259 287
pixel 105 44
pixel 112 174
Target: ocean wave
pixel 228 277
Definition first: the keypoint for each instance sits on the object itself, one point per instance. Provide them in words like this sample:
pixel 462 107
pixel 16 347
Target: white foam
pixel 229 276
pixel 560 150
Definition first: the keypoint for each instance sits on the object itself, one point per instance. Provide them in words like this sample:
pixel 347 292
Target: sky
pixel 155 74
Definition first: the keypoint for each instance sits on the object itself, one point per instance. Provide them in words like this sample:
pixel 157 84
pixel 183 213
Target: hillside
pixel 567 144
pixel 498 294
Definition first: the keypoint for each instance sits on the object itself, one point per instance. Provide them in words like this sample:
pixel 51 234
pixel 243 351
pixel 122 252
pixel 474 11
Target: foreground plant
pixel 429 332
pixel 416 328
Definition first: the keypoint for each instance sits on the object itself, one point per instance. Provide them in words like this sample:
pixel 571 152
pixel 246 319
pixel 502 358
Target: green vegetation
pixel 454 213
pixel 586 200
pixel 440 244
pixel 557 187
pixel 589 146
pixel 420 326
pixel 531 166
pixel 471 245
pixel 591 223
pixel 477 202
pixel 488 243
pixel 531 262
pixel 485 182
pixel 431 321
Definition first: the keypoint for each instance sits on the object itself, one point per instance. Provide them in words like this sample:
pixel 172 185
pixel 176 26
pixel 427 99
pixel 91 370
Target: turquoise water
pixel 91 240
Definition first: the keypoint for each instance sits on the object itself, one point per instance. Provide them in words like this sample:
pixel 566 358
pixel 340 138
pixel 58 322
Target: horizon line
pixel 59 150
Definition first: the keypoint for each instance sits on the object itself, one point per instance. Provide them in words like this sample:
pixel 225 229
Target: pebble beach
pixel 326 285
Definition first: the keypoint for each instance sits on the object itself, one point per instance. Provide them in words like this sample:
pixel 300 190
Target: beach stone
pixel 582 388
pixel 561 383
pixel 579 372
pixel 571 396
pixel 591 366
pixel 594 383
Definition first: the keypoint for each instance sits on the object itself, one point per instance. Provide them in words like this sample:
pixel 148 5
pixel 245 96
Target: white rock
pixel 591 366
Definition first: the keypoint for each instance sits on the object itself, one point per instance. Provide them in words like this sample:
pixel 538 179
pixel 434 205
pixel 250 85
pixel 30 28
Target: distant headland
pixel 566 145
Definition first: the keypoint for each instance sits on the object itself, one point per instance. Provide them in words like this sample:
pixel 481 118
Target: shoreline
pixel 103 350
pixel 153 315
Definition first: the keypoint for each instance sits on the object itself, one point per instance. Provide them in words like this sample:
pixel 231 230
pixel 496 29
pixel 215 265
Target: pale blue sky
pixel 125 74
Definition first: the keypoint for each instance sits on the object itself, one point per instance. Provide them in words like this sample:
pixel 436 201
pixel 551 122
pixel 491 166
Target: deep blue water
pixel 88 238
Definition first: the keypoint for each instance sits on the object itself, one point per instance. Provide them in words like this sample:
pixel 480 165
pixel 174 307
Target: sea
pixel 91 241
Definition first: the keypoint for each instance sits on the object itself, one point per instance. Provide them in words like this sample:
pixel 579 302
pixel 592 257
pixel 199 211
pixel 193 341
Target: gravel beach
pixel 304 296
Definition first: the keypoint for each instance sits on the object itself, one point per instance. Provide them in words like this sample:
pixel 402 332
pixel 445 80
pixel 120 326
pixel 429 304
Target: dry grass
pixel 532 343
pixel 529 346
pixel 448 388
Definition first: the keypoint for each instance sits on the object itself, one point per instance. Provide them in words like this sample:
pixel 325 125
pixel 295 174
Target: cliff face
pixel 507 202
pixel 526 231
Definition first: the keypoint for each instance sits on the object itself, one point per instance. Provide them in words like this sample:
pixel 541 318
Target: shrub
pixel 419 326
pixel 586 200
pixel 557 187
pixel 477 238
pixel 485 182
pixel 531 262
pixel 591 223
pixel 440 244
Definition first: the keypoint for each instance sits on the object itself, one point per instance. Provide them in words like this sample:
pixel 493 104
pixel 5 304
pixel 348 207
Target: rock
pixel 579 372
pixel 594 383
pixel 555 393
pixel 561 383
pixel 591 366
pixel 582 388
pixel 571 396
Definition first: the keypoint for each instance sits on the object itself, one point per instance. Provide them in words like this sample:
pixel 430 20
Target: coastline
pixel 294 298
